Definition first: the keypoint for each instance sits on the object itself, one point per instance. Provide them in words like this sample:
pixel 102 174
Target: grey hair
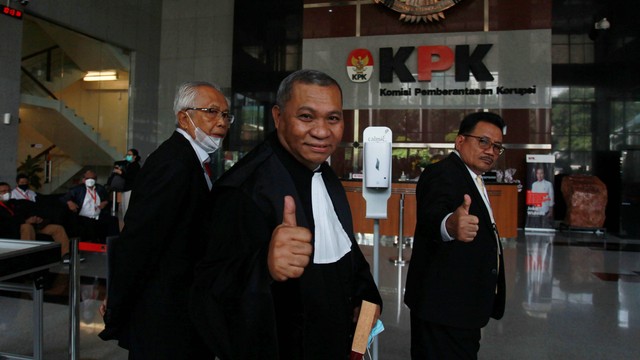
pixel 304 76
pixel 187 93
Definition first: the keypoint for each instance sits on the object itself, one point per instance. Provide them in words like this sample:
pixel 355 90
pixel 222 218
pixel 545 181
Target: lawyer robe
pixel 238 308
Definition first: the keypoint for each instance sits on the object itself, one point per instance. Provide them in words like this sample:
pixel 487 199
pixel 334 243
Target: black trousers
pixel 431 341
pixel 91 230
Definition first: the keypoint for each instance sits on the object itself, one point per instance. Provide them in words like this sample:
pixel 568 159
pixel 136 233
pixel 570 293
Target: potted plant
pixel 31 167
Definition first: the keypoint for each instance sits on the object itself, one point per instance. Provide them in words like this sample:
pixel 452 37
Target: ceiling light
pixel 105 75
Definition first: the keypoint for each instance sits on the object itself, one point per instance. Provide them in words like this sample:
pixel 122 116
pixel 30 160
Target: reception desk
pixel 504 203
pixel 503 197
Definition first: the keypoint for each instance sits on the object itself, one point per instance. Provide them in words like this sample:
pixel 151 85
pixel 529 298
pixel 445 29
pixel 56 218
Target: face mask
pixel 129 158
pixel 208 143
pixel 23 187
pixel 5 197
pixel 90 182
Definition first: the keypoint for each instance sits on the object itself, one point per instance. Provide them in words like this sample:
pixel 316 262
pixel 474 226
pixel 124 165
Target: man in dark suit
pixel 154 258
pixel 455 282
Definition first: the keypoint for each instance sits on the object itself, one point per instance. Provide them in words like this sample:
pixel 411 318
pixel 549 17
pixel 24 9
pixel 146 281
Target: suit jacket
pixel 130 173
pixel 9 220
pixel 154 258
pixel 453 283
pixel 234 297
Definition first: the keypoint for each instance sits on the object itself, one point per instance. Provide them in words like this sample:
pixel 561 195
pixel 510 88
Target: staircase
pixel 68 131
pixel 53 64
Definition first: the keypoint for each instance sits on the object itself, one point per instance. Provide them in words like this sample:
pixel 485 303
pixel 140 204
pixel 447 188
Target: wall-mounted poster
pixel 540 196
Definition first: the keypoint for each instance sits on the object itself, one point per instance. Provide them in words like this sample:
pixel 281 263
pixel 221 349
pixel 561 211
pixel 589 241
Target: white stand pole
pixel 376 264
pixel 74 301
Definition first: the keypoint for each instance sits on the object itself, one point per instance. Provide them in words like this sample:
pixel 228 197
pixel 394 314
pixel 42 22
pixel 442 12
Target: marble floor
pixel 571 295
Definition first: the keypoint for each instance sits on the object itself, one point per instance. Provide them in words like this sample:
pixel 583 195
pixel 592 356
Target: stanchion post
pixel 74 301
pixel 114 203
pixel 399 260
pixel 38 298
pixel 376 266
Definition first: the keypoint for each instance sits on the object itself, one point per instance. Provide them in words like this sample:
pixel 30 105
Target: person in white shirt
pixel 89 201
pixel 22 191
pixel 541 213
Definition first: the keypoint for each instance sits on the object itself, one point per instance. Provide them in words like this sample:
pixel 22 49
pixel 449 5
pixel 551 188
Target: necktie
pixel 207 168
pixel 485 196
pixel 480 184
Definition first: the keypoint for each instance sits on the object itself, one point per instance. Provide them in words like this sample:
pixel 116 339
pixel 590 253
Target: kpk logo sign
pixel 430 59
pixel 360 65
pixel 496 70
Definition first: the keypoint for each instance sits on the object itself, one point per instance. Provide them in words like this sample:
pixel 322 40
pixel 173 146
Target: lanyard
pixel 6 207
pixel 24 195
pixel 93 195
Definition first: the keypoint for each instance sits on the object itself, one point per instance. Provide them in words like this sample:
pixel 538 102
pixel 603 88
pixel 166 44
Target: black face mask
pixel 23 187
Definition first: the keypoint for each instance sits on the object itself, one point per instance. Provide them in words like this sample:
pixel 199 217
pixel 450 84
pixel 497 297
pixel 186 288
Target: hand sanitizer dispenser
pixel 377 168
pixel 376 185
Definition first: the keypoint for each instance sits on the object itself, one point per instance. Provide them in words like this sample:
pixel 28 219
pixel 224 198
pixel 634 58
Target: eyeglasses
pixel 486 143
pixel 215 113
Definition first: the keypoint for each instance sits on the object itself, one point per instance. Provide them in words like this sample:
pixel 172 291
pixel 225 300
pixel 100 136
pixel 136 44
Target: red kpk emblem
pixel 360 65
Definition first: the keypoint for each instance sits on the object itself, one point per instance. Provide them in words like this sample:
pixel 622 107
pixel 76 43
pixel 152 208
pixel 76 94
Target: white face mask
pixel 5 197
pixel 208 143
pixel 90 182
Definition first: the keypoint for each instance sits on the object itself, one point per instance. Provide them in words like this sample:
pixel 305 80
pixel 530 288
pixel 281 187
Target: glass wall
pixel 75 101
pixel 571 128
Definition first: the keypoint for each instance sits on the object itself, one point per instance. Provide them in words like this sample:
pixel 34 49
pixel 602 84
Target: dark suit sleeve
pixel 131 172
pixel 72 195
pixel 162 192
pixel 231 299
pixel 437 195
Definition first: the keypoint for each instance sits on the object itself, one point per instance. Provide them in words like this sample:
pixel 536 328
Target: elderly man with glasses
pixel 456 281
pixel 153 261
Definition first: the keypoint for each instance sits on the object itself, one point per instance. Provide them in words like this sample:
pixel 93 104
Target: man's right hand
pixel 290 247
pixel 460 225
pixel 33 220
pixel 72 206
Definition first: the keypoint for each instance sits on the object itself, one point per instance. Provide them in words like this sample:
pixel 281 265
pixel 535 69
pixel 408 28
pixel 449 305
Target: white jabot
pixel 331 241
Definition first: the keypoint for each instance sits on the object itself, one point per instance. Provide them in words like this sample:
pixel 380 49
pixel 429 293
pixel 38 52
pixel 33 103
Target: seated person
pixel 22 191
pixel 89 201
pixel 17 223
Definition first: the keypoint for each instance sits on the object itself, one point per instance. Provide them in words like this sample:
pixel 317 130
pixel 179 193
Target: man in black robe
pixel 283 277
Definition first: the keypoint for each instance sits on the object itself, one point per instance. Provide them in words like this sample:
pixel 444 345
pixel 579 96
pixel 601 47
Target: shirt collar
pixel 202 155
pixel 471 173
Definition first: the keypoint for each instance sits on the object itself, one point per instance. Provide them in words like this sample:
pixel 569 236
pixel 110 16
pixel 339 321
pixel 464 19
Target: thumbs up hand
pixel 460 224
pixel 290 247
